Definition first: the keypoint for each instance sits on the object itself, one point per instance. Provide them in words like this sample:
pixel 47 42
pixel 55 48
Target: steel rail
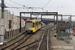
pixel 13 43
pixel 30 43
pixel 21 42
pixel 34 45
pixel 48 39
pixel 15 38
pixel 41 39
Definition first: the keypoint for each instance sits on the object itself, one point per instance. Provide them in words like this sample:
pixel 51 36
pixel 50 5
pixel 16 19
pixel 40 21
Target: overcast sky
pixel 60 6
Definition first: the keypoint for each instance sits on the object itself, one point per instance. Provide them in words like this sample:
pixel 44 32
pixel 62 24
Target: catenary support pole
pixel 61 18
pixel 70 18
pixel 20 23
pixel 57 19
pixel 30 16
pixel 54 19
pixel 2 23
pixel 41 17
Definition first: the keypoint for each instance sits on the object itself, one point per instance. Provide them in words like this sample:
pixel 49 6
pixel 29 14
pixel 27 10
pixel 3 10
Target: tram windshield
pixel 29 24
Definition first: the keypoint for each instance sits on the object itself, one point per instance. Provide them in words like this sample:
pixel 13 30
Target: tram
pixel 32 25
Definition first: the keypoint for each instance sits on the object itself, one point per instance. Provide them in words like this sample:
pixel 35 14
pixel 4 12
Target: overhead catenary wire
pixel 17 3
pixel 19 8
pixel 9 4
pixel 12 6
pixel 47 3
pixel 24 6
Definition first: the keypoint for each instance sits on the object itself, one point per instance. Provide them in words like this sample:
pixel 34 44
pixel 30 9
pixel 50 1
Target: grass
pixel 14 36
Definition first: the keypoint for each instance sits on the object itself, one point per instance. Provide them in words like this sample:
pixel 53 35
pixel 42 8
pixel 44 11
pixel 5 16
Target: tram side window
pixel 36 23
pixel 39 22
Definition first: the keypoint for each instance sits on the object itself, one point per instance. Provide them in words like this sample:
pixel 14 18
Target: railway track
pixel 21 35
pixel 33 46
pixel 46 44
pixel 32 43
pixel 17 43
pixel 24 40
pixel 44 37
pixel 13 40
pixel 29 43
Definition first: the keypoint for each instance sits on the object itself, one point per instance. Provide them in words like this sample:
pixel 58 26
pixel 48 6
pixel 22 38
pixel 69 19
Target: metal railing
pixel 63 35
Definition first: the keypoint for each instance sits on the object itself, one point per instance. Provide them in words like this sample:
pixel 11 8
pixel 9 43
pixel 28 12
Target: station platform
pixel 61 44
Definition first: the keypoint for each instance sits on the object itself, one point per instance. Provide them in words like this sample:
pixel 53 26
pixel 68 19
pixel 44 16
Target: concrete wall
pixel 6 17
pixel 15 21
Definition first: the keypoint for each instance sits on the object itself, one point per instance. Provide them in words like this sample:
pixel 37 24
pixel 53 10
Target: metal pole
pixel 54 18
pixel 57 18
pixel 2 24
pixel 71 26
pixel 30 16
pixel 57 21
pixel 41 18
pixel 61 18
pixel 20 23
pixel 70 18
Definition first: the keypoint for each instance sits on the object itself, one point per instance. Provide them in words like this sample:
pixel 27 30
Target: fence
pixel 63 35
pixel 12 33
